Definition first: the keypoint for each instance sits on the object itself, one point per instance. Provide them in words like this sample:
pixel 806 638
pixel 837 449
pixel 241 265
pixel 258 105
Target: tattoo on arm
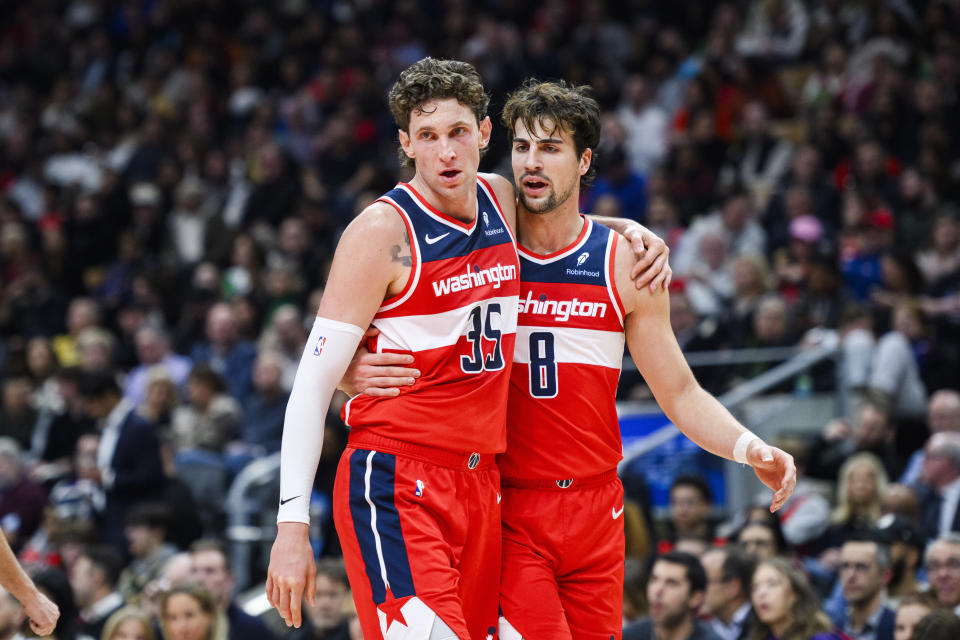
pixel 407 259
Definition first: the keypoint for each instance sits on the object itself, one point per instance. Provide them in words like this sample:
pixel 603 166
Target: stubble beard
pixel 552 202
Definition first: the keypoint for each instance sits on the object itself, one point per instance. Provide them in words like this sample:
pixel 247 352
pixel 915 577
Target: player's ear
pixel 404 138
pixel 585 159
pixel 485 128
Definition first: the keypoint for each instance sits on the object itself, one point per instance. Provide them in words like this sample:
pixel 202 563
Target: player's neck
pixel 459 203
pixel 545 233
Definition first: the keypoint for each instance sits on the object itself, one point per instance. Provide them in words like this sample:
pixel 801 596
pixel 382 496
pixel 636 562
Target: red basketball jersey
pixel 562 419
pixel 458 317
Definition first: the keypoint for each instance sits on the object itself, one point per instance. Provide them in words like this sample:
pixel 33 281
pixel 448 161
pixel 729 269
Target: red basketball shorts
pixel 420 532
pixel 563 554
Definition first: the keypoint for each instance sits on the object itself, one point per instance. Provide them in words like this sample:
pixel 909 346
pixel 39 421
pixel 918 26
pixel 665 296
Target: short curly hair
pixel 564 105
pixel 431 79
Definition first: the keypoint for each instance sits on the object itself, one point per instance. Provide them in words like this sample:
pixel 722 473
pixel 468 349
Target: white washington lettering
pixel 561 310
pixel 475 277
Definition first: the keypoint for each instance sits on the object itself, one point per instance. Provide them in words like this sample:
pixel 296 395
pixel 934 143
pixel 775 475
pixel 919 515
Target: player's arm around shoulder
pixel 506 197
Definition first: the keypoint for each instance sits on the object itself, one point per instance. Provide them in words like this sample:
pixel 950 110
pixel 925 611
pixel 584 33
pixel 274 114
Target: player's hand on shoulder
pixel 378 374
pixel 652 267
pixel 775 468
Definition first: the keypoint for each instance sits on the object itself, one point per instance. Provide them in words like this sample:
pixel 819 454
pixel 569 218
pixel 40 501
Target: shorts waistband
pixel 441 457
pixel 586 482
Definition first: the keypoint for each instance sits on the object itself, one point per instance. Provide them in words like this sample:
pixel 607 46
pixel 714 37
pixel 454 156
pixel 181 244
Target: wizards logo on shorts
pixel 318 349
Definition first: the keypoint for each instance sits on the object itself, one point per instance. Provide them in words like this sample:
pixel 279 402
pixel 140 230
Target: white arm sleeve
pixel 326 356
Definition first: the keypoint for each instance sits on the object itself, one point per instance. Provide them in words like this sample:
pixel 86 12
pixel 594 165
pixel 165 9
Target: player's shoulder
pixel 378 223
pixel 502 190
pixel 625 259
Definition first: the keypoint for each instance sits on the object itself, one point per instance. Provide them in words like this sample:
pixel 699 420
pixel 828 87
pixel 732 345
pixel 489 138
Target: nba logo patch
pixel 419 490
pixel 317 350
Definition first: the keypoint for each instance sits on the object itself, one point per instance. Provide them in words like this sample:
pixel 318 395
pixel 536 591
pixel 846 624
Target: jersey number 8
pixel 543 365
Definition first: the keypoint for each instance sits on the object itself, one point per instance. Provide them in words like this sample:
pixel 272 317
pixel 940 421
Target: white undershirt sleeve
pixel 326 356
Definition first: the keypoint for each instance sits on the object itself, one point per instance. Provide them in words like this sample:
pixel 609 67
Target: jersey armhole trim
pixel 414 277
pixel 611 261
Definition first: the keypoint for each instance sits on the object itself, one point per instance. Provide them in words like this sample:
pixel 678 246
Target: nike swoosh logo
pixel 616 514
pixel 498 498
pixel 435 240
pixel 283 502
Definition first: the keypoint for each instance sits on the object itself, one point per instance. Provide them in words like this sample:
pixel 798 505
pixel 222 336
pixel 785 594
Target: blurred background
pixel 174 175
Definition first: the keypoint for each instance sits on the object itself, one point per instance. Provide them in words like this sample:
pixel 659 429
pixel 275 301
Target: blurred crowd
pixel 175 173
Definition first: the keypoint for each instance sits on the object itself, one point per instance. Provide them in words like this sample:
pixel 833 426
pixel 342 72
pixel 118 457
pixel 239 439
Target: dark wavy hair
pixel 431 79
pixel 553 105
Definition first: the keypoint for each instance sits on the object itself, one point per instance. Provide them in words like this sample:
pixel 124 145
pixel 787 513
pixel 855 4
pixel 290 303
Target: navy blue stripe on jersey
pixel 584 266
pixel 439 241
pixel 381 521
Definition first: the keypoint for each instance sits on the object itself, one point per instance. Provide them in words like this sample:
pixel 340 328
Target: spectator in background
pixel 146 533
pixel 895 371
pixel 906 544
pixel 942 259
pixel 865 571
pixel 223 352
pixel 937 625
pixel 189 612
pixel 727 598
pixel 942 562
pixel 675 591
pixel 54 583
pixel 128 458
pixel 209 418
pixel 860 485
pixel 873 433
pixel 617 179
pixel 759 160
pixel 59 425
pixel 95 347
pixel 128 623
pixel 326 620
pixel 260 430
pixel 645 123
pixel 786 605
pixel 21 499
pixel 196 233
pixel 735 222
pixel 689 514
pixel 940 492
pixel 761 540
pixel 911 609
pixel 83 313
pixel 153 349
pixel 211 568
pixel 285 335
pixel 943 415
pixel 93 578
pixel 80 495
pixel 16 414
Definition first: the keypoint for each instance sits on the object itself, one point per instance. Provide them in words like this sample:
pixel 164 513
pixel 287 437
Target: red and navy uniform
pixel 562 500
pixel 416 501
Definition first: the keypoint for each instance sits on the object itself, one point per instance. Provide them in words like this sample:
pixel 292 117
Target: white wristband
pixel 740 448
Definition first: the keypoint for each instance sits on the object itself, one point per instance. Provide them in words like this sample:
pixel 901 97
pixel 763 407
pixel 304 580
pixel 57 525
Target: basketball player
pixel 433 266
pixel 43 613
pixel 562 502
